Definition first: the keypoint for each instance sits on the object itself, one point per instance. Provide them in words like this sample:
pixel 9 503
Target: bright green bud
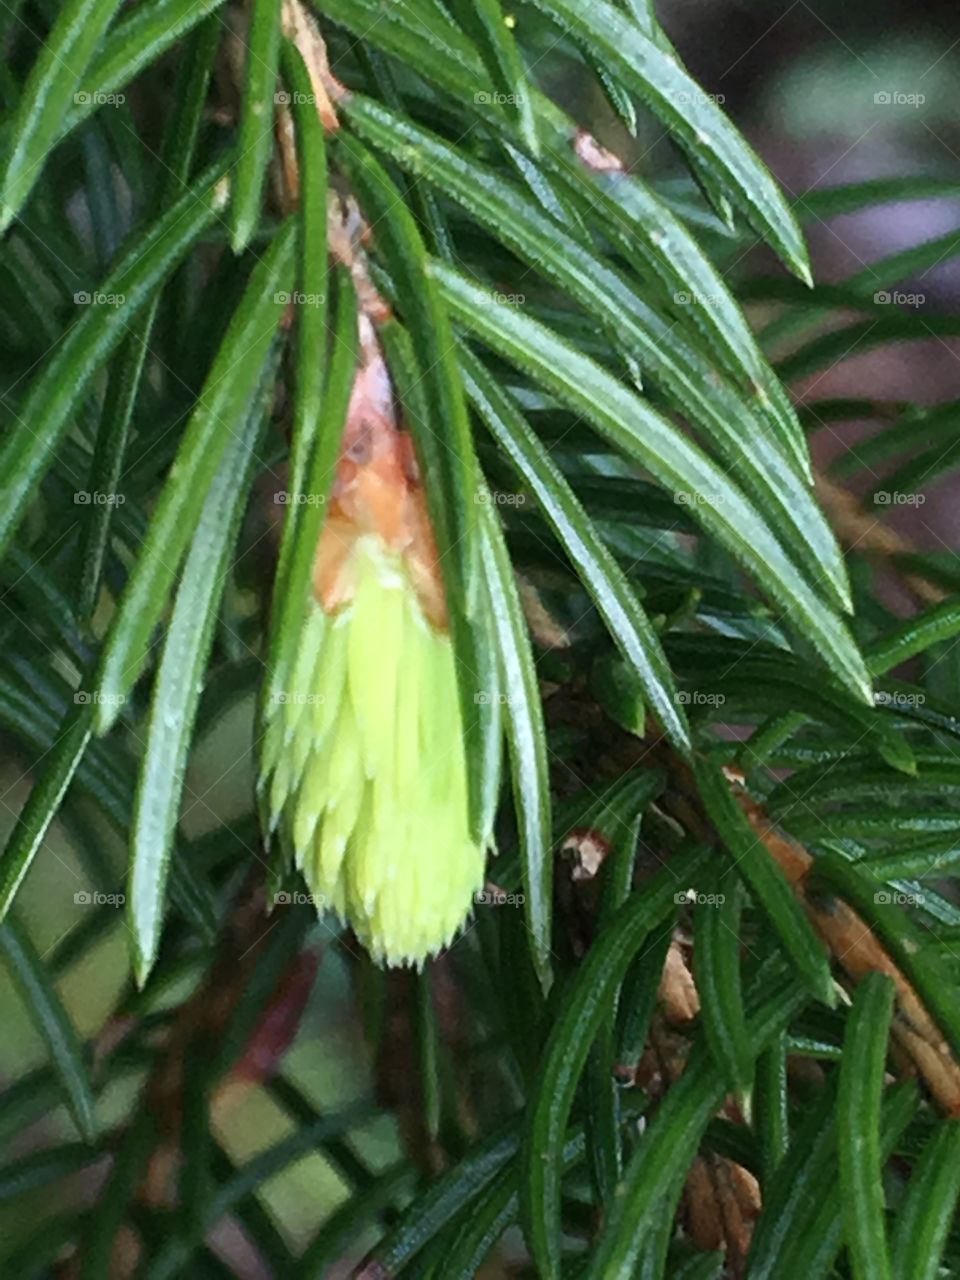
pixel 364 766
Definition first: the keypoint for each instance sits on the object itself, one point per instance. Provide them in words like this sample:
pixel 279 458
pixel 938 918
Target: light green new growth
pixel 364 765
